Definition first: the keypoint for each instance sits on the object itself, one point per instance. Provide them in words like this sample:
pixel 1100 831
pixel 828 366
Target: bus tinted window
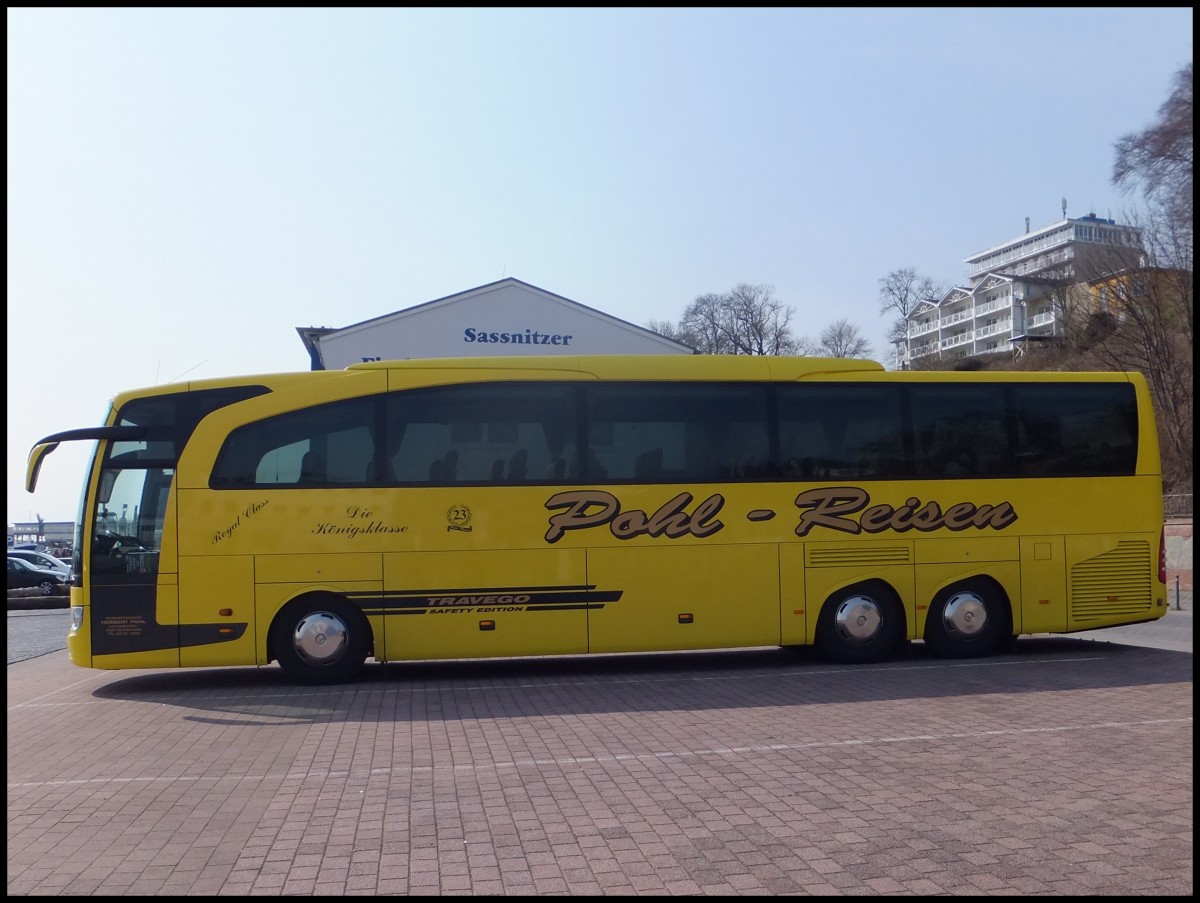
pixel 663 433
pixel 505 433
pixel 480 433
pixel 170 420
pixel 961 430
pixel 330 445
pixel 836 432
pixel 1073 430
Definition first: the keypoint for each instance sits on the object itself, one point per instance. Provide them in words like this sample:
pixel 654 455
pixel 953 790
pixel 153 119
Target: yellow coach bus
pixel 469 508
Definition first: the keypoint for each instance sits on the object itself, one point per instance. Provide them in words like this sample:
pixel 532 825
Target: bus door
pixel 133 614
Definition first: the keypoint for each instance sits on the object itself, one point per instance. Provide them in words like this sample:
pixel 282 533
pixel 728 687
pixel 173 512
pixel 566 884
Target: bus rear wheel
pixel 860 624
pixel 966 620
pixel 320 640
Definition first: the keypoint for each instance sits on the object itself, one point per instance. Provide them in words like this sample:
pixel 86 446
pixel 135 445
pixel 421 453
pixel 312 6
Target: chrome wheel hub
pixel 320 638
pixel 857 619
pixel 965 615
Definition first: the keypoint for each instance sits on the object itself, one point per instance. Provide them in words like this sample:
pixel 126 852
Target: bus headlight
pixel 76 617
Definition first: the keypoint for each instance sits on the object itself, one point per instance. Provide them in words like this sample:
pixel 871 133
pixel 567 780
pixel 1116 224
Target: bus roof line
pixel 792 367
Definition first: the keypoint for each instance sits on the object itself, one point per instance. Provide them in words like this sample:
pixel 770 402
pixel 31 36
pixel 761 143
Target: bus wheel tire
pixel 859 624
pixel 320 640
pixel 966 620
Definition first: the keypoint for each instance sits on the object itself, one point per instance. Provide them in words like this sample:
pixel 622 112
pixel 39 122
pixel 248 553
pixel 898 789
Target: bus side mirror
pixel 104 490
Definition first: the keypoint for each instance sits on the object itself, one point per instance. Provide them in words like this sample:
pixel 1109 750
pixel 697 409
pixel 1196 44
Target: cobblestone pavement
pixel 34 632
pixel 1061 767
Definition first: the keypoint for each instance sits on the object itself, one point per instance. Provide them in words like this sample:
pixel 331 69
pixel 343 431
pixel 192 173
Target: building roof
pixel 482 302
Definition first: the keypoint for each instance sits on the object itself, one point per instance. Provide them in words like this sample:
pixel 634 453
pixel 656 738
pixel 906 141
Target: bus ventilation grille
pixel 861 555
pixel 1117 582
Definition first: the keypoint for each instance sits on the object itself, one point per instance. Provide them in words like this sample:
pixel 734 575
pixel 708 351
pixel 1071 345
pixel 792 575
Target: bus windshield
pixel 128 519
pixel 130 505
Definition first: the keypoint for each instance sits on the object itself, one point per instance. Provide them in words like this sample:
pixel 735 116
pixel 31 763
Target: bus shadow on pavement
pixel 469 690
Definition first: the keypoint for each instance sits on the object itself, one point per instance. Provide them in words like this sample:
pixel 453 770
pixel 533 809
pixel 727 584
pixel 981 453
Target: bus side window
pixel 832 431
pixel 518 464
pixel 595 469
pixel 1041 452
pixel 959 460
pixel 677 433
pixel 312 468
pixel 481 433
pixel 649 466
pixel 444 469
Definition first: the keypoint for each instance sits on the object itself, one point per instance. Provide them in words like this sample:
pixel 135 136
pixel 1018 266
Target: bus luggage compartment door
pixel 1043 585
pixel 486 603
pixel 209 586
pixel 685 597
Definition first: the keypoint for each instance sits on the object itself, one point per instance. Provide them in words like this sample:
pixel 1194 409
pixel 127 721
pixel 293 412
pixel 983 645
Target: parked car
pixel 23 575
pixel 42 560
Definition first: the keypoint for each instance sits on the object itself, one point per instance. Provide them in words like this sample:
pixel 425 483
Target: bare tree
pixel 1147 313
pixel 806 347
pixel 705 320
pixel 1159 159
pixel 760 323
pixel 900 291
pixel 747 320
pixel 670 330
pixel 1150 302
pixel 1071 301
pixel 843 339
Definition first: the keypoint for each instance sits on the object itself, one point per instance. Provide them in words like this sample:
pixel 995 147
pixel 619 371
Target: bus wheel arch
pixel 320 638
pixel 861 623
pixel 968 619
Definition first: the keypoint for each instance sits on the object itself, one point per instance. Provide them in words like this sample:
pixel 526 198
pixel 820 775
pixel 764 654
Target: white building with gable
pixel 509 317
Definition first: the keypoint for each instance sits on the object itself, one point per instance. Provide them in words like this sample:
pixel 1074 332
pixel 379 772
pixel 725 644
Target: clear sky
pixel 187 186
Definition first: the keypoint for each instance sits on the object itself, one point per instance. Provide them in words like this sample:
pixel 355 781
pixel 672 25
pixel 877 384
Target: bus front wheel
pixel 860 624
pixel 320 640
pixel 966 620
